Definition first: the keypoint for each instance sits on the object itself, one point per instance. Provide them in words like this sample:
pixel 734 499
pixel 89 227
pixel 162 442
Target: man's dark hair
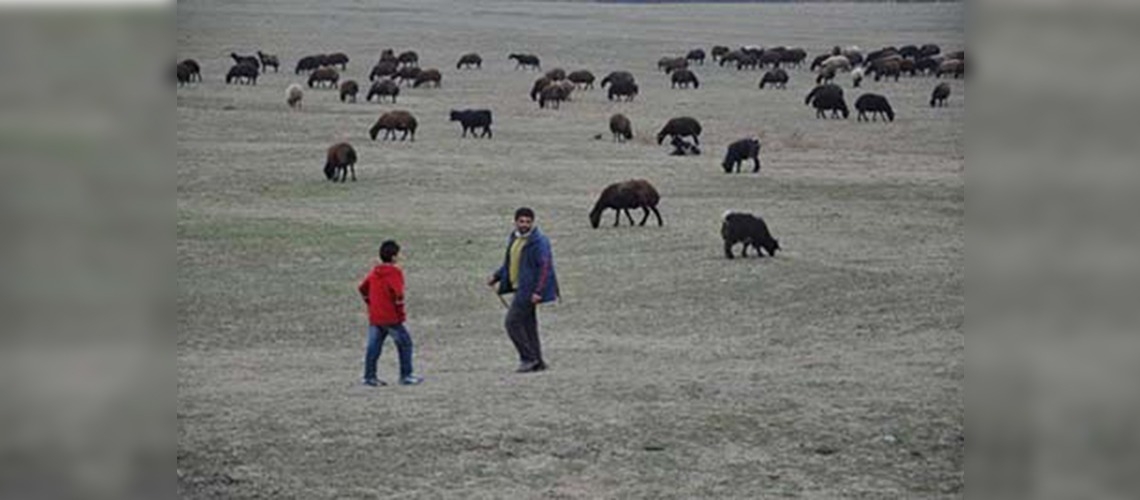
pixel 524 212
pixel 388 250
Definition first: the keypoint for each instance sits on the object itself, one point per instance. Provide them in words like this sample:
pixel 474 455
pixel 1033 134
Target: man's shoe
pixel 528 367
pixel 374 382
pixel 540 367
pixel 411 380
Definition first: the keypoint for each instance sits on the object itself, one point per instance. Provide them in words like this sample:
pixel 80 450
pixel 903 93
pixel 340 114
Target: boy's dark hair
pixel 388 250
pixel 524 212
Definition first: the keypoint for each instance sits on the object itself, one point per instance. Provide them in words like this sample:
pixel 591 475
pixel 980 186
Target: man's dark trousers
pixel 522 327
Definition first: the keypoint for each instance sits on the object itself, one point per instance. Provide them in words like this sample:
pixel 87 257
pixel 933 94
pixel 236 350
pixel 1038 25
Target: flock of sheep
pixel 556 86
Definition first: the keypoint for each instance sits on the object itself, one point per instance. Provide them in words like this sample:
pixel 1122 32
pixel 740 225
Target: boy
pixel 383 291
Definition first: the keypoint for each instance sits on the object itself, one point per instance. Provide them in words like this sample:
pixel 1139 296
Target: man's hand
pixel 535 298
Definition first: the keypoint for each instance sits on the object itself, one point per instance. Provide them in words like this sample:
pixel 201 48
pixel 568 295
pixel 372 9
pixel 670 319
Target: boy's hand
pixel 535 298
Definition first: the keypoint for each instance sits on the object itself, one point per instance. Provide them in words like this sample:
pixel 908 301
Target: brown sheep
pixel 953 66
pixel 408 58
pixel 684 126
pixel 539 84
pixel 340 159
pixel 349 89
pixel 322 76
pixel 381 88
pixel 468 60
pixel 582 79
pixel 394 121
pixel 428 76
pixel 337 58
pixel 556 74
pixel 622 196
pixel 383 69
pixel 388 55
pixel 554 94
pixel 621 128
pixel 671 64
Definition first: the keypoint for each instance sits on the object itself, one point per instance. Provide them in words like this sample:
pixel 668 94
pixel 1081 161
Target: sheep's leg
pixel 658 214
pixel 353 167
pixel 645 217
pixel 728 250
pixel 696 140
pixel 617 217
pixel 488 133
pixel 628 216
pixel 756 161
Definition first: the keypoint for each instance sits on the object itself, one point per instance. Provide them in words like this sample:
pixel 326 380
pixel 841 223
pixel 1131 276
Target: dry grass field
pixel 834 370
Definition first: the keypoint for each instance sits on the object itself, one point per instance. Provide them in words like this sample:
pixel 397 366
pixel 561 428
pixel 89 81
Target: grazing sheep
pixel 617 76
pixel 323 76
pixel 293 95
pixel 926 65
pixel 556 74
pixel 941 92
pixel 718 51
pixel 526 61
pixel 743 149
pixel 681 147
pixel 909 51
pixel 268 60
pixel 250 60
pixel 408 74
pixel 622 196
pixel 381 88
pixel 581 78
pixel 684 126
pixel 739 227
pixel 408 58
pixel 539 84
pixel 825 75
pixel 857 76
pixel 929 50
pixel 684 78
pixel 696 55
pixel 793 57
pixel 309 63
pixel 389 55
pixel 194 69
pixel 770 58
pixel 886 68
pixel 818 61
pixel 383 69
pixel 671 64
pixel 337 58
pixel 554 94
pixel 954 66
pixel 622 89
pixel 182 74
pixel 838 63
pixel 876 105
pixel 430 75
pixel 472 119
pixel 394 121
pixel 621 128
pixel 777 77
pixel 468 60
pixel 340 159
pixel 828 96
pixel 746 60
pixel 349 89
pixel 243 73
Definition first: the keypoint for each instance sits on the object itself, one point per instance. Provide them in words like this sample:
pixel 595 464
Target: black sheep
pixel 684 78
pixel 242 72
pixel 192 66
pixel 383 69
pixel 322 76
pixel 718 51
pixel 183 74
pixel 336 58
pixel 581 78
pixel 827 97
pixel 472 119
pixel 617 76
pixel 743 149
pixel 684 126
pixel 621 127
pixel 793 57
pixel 739 227
pixel 309 63
pixel 554 94
pixel 340 159
pixel 408 73
pixel 876 105
pixel 622 88
pixel 408 58
pixel 381 88
pixel 696 55
pixel 622 196
pixel 526 61
pixel 349 89
pixel 938 97
pixel 430 75
pixel 469 60
pixel 777 77
pixel 556 74
pixel 268 60
pixel 250 60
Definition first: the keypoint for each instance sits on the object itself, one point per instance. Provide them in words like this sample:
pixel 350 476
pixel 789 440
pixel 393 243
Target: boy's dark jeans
pixel 376 336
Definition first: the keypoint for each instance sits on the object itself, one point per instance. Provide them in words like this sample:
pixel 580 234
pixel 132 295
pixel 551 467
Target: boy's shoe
pixel 375 383
pixel 411 380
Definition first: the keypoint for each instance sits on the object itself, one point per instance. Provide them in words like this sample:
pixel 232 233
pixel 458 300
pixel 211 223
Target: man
pixel 528 272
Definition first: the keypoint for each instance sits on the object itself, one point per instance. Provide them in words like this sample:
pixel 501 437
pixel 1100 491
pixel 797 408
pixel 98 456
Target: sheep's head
pixel 596 217
pixel 771 246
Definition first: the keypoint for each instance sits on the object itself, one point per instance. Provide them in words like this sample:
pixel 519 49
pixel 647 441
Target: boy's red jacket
pixel 383 291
